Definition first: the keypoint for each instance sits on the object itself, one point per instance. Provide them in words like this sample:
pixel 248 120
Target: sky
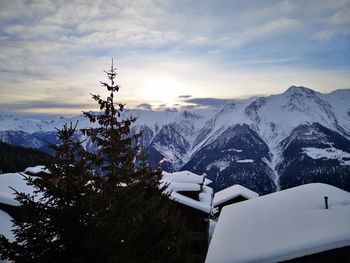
pixel 181 53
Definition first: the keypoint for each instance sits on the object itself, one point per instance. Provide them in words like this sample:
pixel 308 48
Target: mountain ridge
pixel 176 139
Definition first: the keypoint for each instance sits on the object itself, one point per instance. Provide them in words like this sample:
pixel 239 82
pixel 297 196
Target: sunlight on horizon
pixel 162 91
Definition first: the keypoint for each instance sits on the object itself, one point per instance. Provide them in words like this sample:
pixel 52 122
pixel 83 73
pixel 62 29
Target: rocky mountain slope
pixel 265 143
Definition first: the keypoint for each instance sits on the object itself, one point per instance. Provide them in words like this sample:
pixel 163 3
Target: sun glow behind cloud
pixel 162 90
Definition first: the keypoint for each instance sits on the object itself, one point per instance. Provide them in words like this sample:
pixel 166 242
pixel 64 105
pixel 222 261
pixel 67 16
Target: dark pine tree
pixel 105 206
pixel 57 221
pixel 141 224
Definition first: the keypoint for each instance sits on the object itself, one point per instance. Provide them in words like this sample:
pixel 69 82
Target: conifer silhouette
pixel 101 206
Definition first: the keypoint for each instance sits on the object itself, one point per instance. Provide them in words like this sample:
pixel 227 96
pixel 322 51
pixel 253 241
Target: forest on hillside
pixel 17 159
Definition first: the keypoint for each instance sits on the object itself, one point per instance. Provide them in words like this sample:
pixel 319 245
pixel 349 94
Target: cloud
pixel 337 24
pixel 185 96
pixel 190 107
pixel 146 106
pixel 271 28
pixel 54 28
pixel 208 102
pixel 164 107
pixel 44 106
pixel 51 52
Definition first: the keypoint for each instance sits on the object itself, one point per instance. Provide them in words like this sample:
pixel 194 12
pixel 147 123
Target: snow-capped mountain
pixel 264 143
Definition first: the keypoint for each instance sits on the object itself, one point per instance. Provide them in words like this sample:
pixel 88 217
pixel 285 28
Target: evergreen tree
pixel 105 206
pixel 56 220
pixel 141 223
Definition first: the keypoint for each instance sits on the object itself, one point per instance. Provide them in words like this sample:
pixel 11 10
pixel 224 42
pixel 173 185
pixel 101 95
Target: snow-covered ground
pixel 6 225
pixel 245 161
pixel 282 226
pixel 328 153
pixel 220 164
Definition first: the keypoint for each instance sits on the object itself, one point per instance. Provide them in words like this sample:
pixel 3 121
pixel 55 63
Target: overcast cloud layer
pixel 53 53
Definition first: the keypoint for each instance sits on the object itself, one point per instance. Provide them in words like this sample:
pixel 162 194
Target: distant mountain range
pixel 263 143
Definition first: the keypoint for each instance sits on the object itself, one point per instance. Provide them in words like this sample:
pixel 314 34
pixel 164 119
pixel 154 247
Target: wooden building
pixel 193 197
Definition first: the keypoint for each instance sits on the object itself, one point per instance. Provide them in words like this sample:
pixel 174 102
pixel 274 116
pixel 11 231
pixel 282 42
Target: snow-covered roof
pixel 187 181
pixel 6 225
pixel 36 169
pixel 232 192
pixel 204 203
pixel 185 177
pixel 282 226
pixel 16 181
pixel 178 187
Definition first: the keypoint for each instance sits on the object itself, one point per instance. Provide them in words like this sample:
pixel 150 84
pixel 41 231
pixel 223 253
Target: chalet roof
pixel 232 192
pixel 186 181
pixel 185 177
pixel 282 226
pixel 17 182
pixel 36 170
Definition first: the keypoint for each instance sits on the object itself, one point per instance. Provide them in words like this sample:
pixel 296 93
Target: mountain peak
pixel 299 89
pixel 341 92
pixel 189 115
